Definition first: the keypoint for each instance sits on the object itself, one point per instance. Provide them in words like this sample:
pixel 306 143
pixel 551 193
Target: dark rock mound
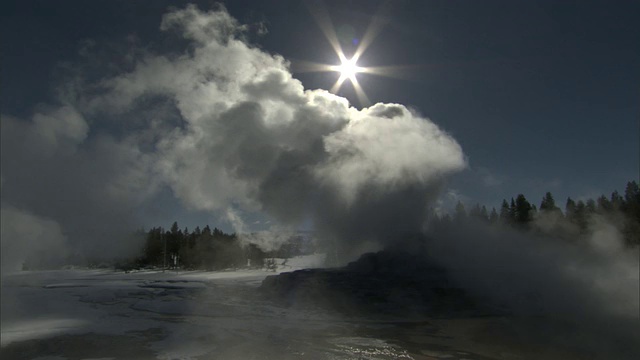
pixel 386 283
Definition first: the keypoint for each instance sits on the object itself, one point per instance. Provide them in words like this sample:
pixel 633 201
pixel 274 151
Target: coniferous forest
pixel 212 249
pixel 205 249
pixel 572 220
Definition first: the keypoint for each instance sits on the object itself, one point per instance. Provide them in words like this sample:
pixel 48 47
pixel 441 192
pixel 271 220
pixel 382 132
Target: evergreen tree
pixel 523 210
pixel 631 208
pixel 175 228
pixel 505 212
pixel 174 239
pixel 581 216
pixel 571 222
pixel 493 217
pixel 205 250
pixel 590 207
pixel 632 193
pixel 570 208
pixel 484 215
pixel 476 212
pixel 461 213
pixel 604 205
pixel 548 204
pixel 617 202
pixel 512 212
pixel 153 250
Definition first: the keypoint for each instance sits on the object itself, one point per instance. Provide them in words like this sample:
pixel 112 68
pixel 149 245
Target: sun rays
pixel 348 70
pixel 347 67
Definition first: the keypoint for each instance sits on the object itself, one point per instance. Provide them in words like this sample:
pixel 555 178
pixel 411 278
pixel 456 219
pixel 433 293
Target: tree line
pixel 200 249
pixel 209 249
pixel 575 222
pixel 205 249
pixel 212 249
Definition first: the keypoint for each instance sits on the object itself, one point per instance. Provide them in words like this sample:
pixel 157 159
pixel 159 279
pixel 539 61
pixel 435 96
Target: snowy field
pixel 101 314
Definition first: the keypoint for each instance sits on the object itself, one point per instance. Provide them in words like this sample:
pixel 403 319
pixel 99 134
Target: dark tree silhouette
pixel 548 204
pixel 577 222
pixel 505 213
pixel 523 211
pixel 461 213
pixel 493 217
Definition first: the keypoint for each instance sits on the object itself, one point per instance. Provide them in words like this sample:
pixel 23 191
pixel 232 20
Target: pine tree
pixel 590 207
pixel 504 212
pixel 484 215
pixel 631 208
pixel 604 206
pixel 617 202
pixel 522 210
pixel 174 239
pixel 174 228
pixel 445 220
pixel 512 212
pixel 153 250
pixel 570 208
pixel 548 204
pixel 632 192
pixel 493 217
pixel 581 216
pixel 461 213
pixel 476 212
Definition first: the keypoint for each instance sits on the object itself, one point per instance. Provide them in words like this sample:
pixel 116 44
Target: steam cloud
pixel 578 296
pixel 224 126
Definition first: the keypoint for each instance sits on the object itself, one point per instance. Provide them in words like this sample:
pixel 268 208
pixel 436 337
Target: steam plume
pixel 235 131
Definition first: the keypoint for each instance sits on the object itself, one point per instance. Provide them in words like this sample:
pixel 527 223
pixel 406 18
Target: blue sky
pixel 541 95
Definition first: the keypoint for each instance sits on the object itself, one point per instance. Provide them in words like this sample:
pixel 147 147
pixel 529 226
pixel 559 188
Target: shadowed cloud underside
pixel 224 125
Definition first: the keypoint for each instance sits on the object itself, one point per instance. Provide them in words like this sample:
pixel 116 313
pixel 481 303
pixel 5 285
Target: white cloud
pixel 203 27
pixel 388 146
pixel 244 133
pixel 63 124
pixel 89 191
pixel 246 116
pixel 25 236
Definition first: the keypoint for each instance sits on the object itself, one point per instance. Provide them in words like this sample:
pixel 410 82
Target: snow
pixel 174 314
pixel 37 328
pixel 300 262
pixel 71 314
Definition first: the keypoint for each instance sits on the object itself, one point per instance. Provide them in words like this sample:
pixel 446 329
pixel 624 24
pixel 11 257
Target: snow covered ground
pixel 101 314
pixel 172 315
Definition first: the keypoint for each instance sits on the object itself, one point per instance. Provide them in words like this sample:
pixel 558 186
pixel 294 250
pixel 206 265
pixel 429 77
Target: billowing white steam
pixel 25 235
pixel 224 125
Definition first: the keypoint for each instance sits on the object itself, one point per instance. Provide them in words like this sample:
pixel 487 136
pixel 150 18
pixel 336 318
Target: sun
pixel 348 68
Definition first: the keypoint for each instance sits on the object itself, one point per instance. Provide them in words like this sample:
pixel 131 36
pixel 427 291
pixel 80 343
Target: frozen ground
pixel 99 314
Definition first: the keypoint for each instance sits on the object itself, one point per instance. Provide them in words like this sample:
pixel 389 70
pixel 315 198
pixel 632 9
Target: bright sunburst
pixel 348 68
